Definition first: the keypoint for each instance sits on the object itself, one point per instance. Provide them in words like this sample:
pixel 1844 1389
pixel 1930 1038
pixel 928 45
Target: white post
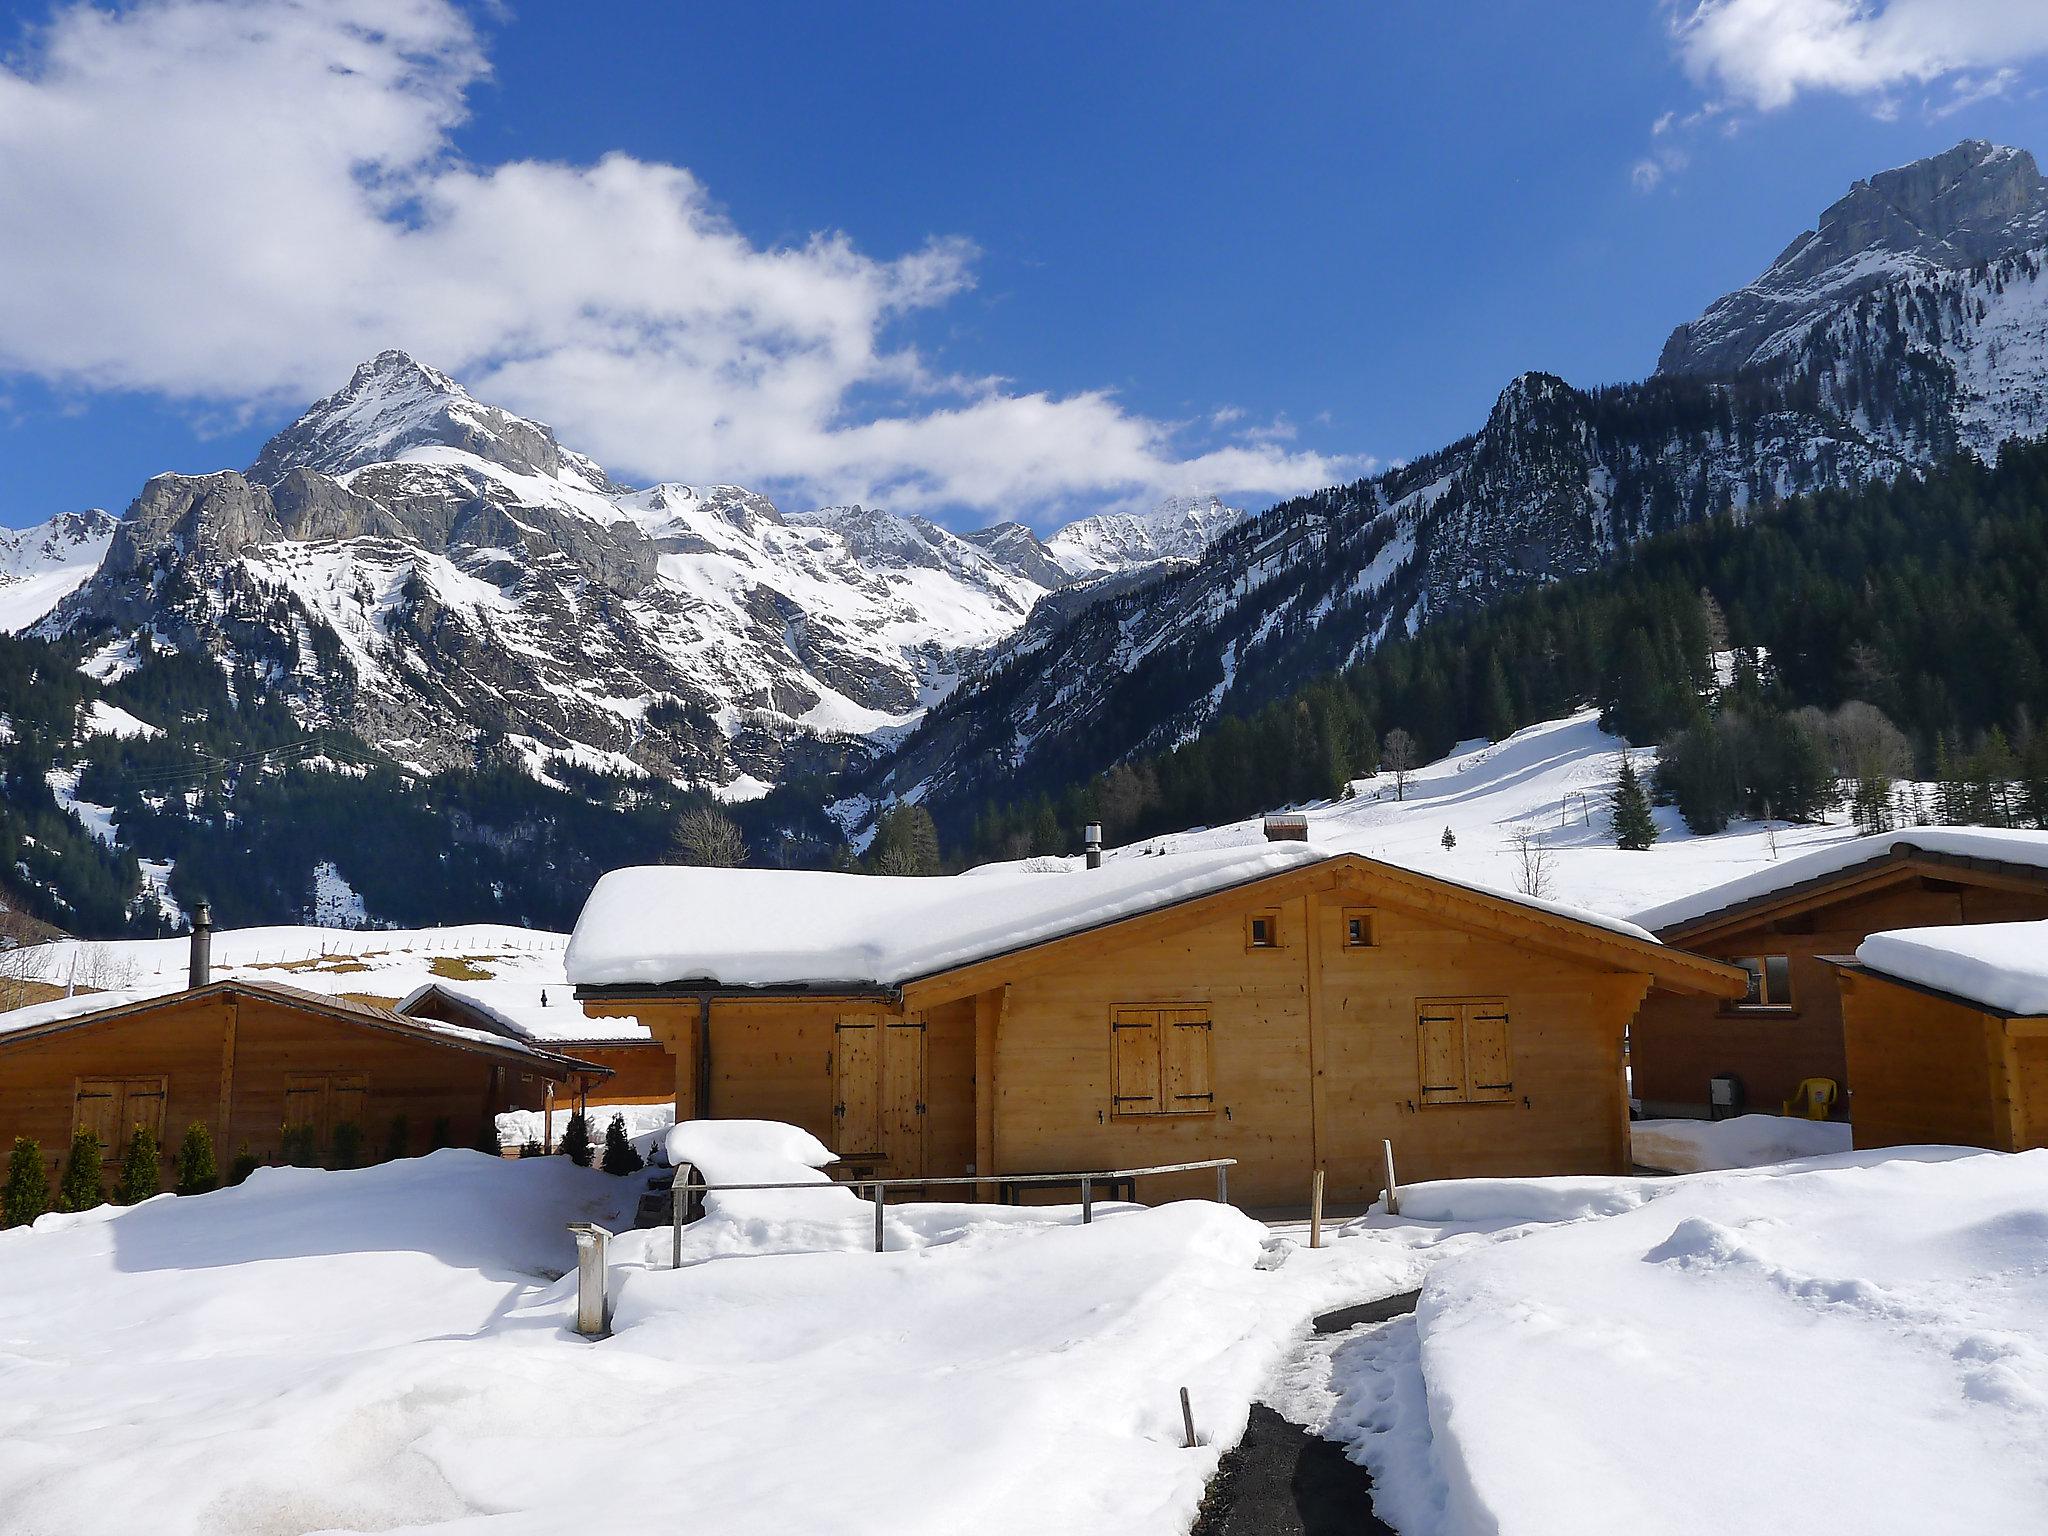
pixel 1315 1210
pixel 1393 1189
pixel 591 1319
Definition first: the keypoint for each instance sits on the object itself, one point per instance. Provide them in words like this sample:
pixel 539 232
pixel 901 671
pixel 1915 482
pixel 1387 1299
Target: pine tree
pixel 487 1140
pixel 1634 827
pixel 348 1145
pixel 620 1158
pixel 82 1188
pixel 1449 840
pixel 398 1140
pixel 197 1171
pixel 576 1140
pixel 141 1169
pixel 27 1194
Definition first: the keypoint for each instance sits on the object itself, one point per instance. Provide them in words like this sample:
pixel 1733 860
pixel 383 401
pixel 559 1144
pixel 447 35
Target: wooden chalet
pixel 1782 925
pixel 250 1060
pixel 1277 1005
pixel 1960 1064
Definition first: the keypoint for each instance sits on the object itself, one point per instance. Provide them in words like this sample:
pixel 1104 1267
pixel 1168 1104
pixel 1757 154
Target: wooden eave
pixel 336 1010
pixel 1903 862
pixel 2015 1023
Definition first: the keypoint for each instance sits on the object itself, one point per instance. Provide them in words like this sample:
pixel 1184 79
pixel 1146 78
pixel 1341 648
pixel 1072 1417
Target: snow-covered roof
pixel 527 1010
pixel 1999 844
pixel 768 928
pixel 87 1005
pixel 2003 966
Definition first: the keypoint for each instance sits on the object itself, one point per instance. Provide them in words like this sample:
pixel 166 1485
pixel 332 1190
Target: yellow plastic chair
pixel 1814 1098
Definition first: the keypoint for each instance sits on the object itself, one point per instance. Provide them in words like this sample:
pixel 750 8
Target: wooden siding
pixel 1677 1043
pixel 1932 1069
pixel 229 1062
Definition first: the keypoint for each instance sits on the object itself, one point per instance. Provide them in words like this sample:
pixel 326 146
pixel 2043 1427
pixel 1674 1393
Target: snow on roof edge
pixel 1999 966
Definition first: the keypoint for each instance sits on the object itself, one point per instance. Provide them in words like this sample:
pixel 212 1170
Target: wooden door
pixel 902 1096
pixel 856 1098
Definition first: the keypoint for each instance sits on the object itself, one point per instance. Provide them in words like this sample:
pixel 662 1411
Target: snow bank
pixel 1746 1141
pixel 1498 1200
pixel 1863 1339
pixel 646 1124
pixel 2006 845
pixel 2003 966
pixel 533 1009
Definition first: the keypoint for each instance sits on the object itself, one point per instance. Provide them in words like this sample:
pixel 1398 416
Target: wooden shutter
pixel 1489 1070
pixel 856 1089
pixel 302 1102
pixel 143 1108
pixel 348 1103
pixel 903 1098
pixel 1134 1036
pixel 98 1109
pixel 1440 1035
pixel 1186 1036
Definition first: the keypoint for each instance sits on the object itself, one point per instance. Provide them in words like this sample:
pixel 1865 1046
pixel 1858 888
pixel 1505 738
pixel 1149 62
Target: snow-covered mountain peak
pixel 41 565
pixel 670 509
pixel 394 407
pixel 1950 212
pixel 1179 528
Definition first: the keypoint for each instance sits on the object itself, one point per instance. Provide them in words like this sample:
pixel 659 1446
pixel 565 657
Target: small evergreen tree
pixel 197 1171
pixel 301 1146
pixel 576 1140
pixel 487 1140
pixel 398 1140
pixel 27 1194
pixel 1634 827
pixel 348 1145
pixel 141 1169
pixel 246 1163
pixel 620 1158
pixel 1449 840
pixel 443 1134
pixel 82 1188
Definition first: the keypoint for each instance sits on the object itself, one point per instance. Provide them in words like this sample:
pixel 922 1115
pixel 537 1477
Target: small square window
pixel 1262 930
pixel 1360 929
pixel 1770 981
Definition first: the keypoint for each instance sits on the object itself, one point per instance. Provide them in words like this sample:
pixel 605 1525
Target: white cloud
pixel 1765 54
pixel 230 202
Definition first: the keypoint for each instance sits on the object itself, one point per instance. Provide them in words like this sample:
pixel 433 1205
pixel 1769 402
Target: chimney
pixel 1091 843
pixel 202 946
pixel 1291 828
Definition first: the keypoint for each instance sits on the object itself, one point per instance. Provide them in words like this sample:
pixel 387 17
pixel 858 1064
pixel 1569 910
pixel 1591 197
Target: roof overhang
pixel 2015 1023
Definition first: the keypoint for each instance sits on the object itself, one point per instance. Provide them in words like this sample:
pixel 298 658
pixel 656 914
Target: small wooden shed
pixel 1948 1039
pixel 1781 925
pixel 1279 1005
pixel 250 1060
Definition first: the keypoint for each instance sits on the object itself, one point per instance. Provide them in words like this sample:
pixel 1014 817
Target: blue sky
pixel 977 261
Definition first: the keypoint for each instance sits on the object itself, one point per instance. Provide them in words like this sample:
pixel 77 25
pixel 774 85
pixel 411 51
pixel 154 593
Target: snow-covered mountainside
pixel 1179 528
pixel 1915 308
pixel 1911 324
pixel 42 565
pixel 434 573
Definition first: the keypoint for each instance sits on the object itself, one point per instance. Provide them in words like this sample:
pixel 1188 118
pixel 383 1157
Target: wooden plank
pixel 227 1082
pixel 989 1008
pixel 1318 1031
pixel 902 1097
pixel 857 1068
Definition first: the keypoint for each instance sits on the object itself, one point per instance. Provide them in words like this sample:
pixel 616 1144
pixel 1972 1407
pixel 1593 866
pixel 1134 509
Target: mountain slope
pixel 436 575
pixel 1912 324
pixel 42 565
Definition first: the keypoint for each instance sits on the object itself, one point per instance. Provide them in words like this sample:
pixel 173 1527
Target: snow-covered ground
pixel 1746 1141
pixel 1551 780
pixel 1862 1336
pixel 387 963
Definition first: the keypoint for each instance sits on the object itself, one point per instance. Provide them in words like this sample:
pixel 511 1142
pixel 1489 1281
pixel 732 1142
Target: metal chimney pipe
pixel 201 971
pixel 1091 843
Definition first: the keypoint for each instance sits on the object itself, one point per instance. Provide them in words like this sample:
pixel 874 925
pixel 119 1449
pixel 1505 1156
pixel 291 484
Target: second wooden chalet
pixel 1783 924
pixel 1275 1004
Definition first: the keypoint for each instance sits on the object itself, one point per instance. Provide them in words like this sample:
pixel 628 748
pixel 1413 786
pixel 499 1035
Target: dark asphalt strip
pixel 1283 1480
